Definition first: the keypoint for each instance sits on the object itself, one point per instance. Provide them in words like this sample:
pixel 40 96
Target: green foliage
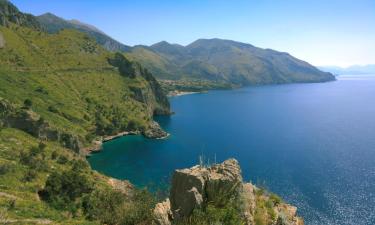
pixel 224 61
pixel 62 189
pixel 113 207
pixel 27 103
pixel 228 215
pixel 43 69
pixel 5 168
pixel 124 66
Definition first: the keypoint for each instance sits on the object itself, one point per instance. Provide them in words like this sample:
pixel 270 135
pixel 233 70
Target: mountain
pixel 216 62
pixel 351 70
pixel 54 24
pixel 226 61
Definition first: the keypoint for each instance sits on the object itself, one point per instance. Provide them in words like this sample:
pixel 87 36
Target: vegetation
pixel 66 79
pixel 227 62
pixel 228 215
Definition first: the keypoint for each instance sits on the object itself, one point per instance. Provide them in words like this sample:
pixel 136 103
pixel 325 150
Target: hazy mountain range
pixel 213 60
pixel 351 70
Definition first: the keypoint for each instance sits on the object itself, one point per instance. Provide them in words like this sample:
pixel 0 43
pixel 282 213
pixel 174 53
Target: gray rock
pixel 224 180
pixel 195 187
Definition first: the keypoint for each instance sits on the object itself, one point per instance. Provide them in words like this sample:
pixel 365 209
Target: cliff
pixel 201 195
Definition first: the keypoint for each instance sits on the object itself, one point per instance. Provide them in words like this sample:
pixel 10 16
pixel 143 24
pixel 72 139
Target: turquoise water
pixel 313 144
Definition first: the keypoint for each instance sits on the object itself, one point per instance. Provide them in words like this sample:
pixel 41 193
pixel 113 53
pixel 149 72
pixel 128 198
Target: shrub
pixel 62 159
pixel 275 199
pixel 27 103
pixel 62 189
pixel 5 168
pixel 113 207
pixel 54 155
pixel 228 215
pixel 29 176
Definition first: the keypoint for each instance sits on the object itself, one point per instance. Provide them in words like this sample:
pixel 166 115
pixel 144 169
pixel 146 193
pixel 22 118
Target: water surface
pixel 313 144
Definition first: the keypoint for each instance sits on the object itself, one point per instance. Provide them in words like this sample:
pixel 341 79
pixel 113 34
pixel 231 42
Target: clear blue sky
pixel 322 32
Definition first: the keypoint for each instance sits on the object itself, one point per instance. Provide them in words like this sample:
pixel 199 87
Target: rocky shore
pixel 180 93
pixel 154 132
pixel 199 186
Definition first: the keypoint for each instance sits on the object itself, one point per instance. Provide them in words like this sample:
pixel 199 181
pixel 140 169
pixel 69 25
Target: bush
pixel 113 207
pixel 228 215
pixel 27 103
pixel 5 168
pixel 29 176
pixel 54 155
pixel 62 189
pixel 62 159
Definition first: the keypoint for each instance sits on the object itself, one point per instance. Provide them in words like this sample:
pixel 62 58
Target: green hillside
pixel 60 93
pixel 54 24
pixel 68 79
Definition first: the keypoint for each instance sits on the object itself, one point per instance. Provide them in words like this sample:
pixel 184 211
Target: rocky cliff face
pixel 10 14
pixel 197 187
pixel 32 123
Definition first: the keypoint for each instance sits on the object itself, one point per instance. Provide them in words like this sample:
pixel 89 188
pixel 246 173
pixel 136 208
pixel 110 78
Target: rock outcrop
pixel 155 131
pixel 198 186
pixel 30 122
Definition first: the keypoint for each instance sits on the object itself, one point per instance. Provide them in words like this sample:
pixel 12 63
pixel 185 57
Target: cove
pixel 313 144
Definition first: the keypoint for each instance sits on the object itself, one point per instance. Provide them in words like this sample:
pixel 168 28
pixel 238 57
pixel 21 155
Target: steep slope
pixel 60 93
pixel 54 24
pixel 68 81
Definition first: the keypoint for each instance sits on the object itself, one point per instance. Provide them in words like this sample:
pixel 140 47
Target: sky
pixel 322 32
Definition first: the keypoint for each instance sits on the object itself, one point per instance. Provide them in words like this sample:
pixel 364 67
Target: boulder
pixel 224 181
pixel 187 191
pixel 195 187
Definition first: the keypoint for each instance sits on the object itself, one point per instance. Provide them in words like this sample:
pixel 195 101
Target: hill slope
pixel 60 93
pixel 54 24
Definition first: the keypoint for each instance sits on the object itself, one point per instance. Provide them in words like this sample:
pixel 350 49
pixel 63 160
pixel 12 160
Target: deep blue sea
pixel 313 144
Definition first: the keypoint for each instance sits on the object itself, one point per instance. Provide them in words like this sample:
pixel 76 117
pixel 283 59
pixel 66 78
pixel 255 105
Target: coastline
pixel 97 144
pixel 181 93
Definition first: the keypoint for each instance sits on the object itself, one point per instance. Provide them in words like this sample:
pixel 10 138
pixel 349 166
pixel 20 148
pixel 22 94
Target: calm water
pixel 313 144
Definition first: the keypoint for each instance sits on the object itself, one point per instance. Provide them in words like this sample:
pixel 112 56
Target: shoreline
pixel 181 93
pixel 97 144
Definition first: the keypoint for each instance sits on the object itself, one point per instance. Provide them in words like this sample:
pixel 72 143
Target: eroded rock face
pixel 163 213
pixel 193 188
pixel 249 203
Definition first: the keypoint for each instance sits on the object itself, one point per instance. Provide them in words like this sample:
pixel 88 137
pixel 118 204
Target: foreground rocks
pixel 196 187
pixel 155 131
